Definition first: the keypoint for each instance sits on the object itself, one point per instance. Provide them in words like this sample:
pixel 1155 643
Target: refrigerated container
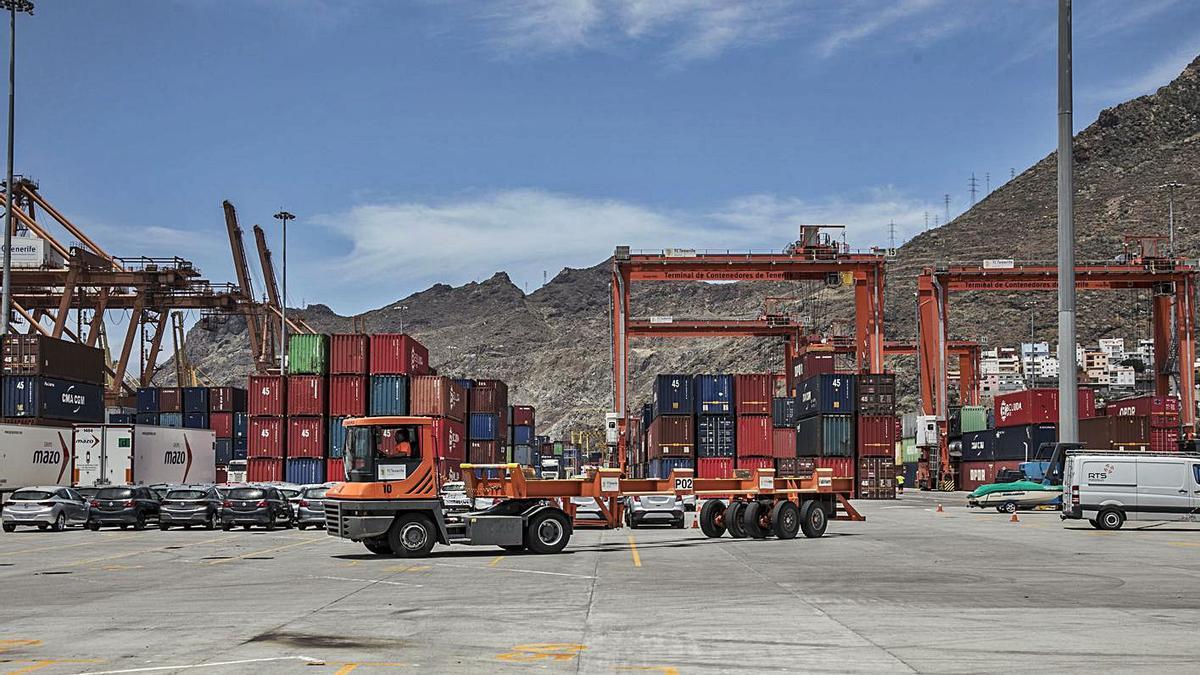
pixel 124 454
pixel 34 455
pixel 53 399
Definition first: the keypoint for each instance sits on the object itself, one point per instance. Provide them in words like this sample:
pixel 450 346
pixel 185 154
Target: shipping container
pixel 223 451
pixel 304 470
pixel 909 452
pixel 1030 406
pixel 170 399
pixel 752 463
pixel 43 356
pixel 389 395
pixel 195 400
pixel 876 478
pixel 54 399
pixel 483 427
pixel 783 442
pixel 522 454
pixel 826 395
pixel 307 395
pixel 398 354
pixel 973 418
pixel 523 415
pixel 814 363
pixel 716 436
pixel 522 435
pixel 348 354
pixel 910 474
pixel 673 395
pixel 876 436
pixel 34 455
pixel 1087 403
pixel 754 437
pixel 908 425
pixel 451 438
pixel 195 421
pixel 973 474
pixel 876 394
pixel 1121 432
pixel 753 393
pixel 713 394
pixel 489 396
pixel 714 467
pixel 348 395
pixel 795 467
pixel 241 425
pixel 173 420
pixel 662 467
pixel 306 437
pixel 240 448
pixel 147 400
pixel 670 436
pixel 336 437
pixel 825 436
pixel 264 470
pixel 121 418
pixel 227 399
pixel 335 469
pixel 308 354
pixel 842 467
pixel 1005 443
pixel 268 395
pixel 1164 439
pixel 146 419
pixel 484 452
pixel 267 438
pixel 438 396
pixel 783 412
pixel 1162 411
pixel 122 454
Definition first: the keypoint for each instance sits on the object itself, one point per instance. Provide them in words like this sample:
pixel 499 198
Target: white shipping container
pixel 146 455
pixel 32 455
pixel 103 454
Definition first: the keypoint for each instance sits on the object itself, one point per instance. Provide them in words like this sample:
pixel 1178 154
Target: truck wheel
pixel 752 517
pixel 547 532
pixel 1093 523
pixel 378 546
pixel 302 526
pixel 1111 519
pixel 411 536
pixel 733 520
pixel 785 520
pixel 813 520
pixel 712 522
pixel 60 523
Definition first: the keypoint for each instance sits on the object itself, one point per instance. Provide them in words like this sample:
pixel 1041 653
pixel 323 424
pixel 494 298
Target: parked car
pixel 190 506
pixel 124 506
pixel 454 496
pixel 256 505
pixel 45 507
pixel 88 493
pixel 586 508
pixel 654 510
pixel 310 508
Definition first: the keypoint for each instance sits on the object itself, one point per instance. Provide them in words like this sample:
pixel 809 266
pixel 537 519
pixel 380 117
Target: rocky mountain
pixel 552 345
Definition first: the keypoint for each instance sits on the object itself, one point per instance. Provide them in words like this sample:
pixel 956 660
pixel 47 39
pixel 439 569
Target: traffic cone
pixel 696 520
pixel 1014 518
pixel 939 509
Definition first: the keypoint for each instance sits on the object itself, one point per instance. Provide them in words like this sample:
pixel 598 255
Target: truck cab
pixel 392 500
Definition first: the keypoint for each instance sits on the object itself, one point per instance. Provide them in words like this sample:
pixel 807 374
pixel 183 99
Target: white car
pixel 454 496
pixel 1108 488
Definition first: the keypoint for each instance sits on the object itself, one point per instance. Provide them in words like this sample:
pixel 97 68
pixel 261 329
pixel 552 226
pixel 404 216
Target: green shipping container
pixel 558 448
pixel 909 452
pixel 974 418
pixel 308 354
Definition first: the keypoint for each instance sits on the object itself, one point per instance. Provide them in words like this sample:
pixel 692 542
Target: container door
pixel 116 459
pixel 1164 489
pixel 88 448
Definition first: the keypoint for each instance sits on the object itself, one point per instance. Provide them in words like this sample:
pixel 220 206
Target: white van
pixel 1108 488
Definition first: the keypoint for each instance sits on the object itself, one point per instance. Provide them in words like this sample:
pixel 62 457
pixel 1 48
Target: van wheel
pixel 712 521
pixel 547 532
pixel 1111 519
pixel 411 536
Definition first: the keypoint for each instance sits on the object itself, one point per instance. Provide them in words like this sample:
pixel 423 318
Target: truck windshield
pixel 368 449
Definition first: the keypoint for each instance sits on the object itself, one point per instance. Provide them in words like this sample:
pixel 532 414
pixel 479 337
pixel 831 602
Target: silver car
pixel 47 507
pixel 310 508
pixel 654 510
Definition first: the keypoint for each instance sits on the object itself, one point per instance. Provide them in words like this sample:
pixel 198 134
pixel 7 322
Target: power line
pixel 973 186
pixel 946 200
pixel 892 234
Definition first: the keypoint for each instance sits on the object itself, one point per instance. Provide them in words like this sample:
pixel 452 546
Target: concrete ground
pixel 908 590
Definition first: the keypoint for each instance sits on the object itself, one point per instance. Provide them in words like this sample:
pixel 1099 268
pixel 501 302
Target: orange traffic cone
pixel 696 521
pixel 939 509
pixel 1014 518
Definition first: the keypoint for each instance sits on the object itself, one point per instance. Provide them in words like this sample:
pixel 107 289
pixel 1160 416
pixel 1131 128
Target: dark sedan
pixel 262 505
pixel 126 506
pixel 190 506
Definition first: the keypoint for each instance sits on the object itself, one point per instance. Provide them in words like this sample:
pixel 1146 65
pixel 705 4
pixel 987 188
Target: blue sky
pixel 427 141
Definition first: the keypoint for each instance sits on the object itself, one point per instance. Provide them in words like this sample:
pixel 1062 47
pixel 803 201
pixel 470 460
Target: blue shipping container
pixel 337 438
pixel 389 395
pixel 195 420
pixel 713 394
pixel 1008 443
pixel 195 400
pixel 174 420
pixel 239 451
pixel 522 435
pixel 825 436
pixel 523 455
pixel 465 383
pixel 647 416
pixel 716 436
pixel 120 418
pixel 661 468
pixel 829 394
pixel 224 451
pixel 673 395
pixel 241 424
pixel 146 419
pixel 783 412
pixel 54 399
pixel 483 427
pixel 304 470
pixel 147 400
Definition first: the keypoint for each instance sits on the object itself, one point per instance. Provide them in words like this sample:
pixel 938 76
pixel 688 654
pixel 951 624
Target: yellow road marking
pixel 56 548
pixel 665 670
pixel 408 568
pixel 542 651
pixel 1184 543
pixel 350 667
pixel 80 563
pixel 496 561
pixel 265 550
pixel 6 645
pixel 43 663
pixel 637 559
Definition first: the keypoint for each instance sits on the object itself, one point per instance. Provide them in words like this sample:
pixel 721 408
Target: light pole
pixel 403 309
pixel 1170 188
pixel 25 7
pixel 1068 381
pixel 284 217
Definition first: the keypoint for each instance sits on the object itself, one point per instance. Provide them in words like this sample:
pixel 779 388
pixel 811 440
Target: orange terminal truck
pixel 391 500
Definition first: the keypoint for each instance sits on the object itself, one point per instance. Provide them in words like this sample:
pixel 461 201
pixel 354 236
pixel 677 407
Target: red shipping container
pixel 437 396
pixel 523 416
pixel 449 470
pixel 752 463
pixel 226 399
pixel 335 470
pixel 714 467
pixel 398 354
pixel 752 393
pixel 170 399
pixel 264 470
pixel 1163 411
pixel 222 475
pixel 1030 406
pixel 347 395
pixel 671 436
pixel 490 396
pixel 754 437
pixel 843 467
pixel 973 474
pixel 268 395
pixel 783 442
pixel 451 439
pixel 484 452
pixel 267 438
pixel 306 395
pixel 1164 439
pixel 876 436
pixel 221 423
pixel 306 437
pixel 348 354
pixel 1087 403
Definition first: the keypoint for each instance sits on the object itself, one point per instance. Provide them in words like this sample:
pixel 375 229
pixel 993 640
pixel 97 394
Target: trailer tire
pixel 733 520
pixel 813 519
pixel 412 536
pixel 1008 507
pixel 378 546
pixel 547 532
pixel 752 520
pixel 785 520
pixel 712 510
pixel 1110 519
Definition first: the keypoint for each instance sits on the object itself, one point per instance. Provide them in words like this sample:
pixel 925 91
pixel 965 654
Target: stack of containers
pixel 195 407
pixel 349 385
pixel 49 381
pixel 224 406
pixel 753 396
pixel 307 408
pixel 147 406
pixel 716 444
pixel 875 403
pixel 446 402
pixel 170 407
pixel 783 436
pixel 1162 418
pixel 825 405
pixel 266 445
pixel 487 424
pixel 670 437
pixel 521 433
pixel 985 453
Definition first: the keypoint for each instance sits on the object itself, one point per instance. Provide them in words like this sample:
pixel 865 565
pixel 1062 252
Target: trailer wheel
pixel 813 520
pixel 411 536
pixel 752 520
pixel 785 520
pixel 1008 507
pixel 733 519
pixel 1111 519
pixel 378 546
pixel 547 532
pixel 712 522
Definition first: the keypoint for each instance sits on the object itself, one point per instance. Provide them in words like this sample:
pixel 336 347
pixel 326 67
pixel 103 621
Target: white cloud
pixel 867 21
pixel 1158 74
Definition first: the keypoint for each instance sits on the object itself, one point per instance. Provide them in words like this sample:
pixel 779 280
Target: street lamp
pixel 402 309
pixel 25 7
pixel 283 216
pixel 1171 188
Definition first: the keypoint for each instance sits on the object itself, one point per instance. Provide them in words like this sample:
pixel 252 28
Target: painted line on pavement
pixel 496 561
pixel 265 550
pixel 148 550
pixel 512 569
pixel 637 559
pixel 57 548
pixel 370 581
pixel 307 661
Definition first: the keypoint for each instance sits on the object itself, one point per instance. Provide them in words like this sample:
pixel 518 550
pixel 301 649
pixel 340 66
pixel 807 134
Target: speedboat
pixel 1021 494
